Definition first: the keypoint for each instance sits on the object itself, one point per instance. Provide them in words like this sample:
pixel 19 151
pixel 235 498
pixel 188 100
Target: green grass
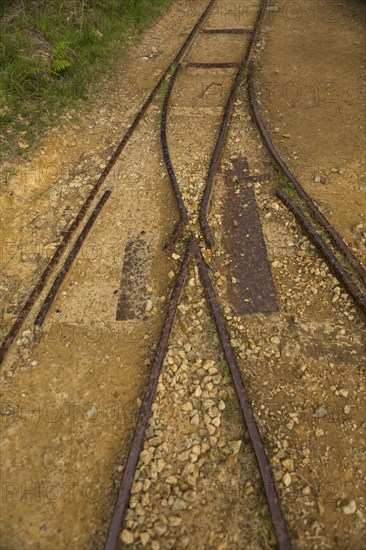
pixel 52 50
pixel 164 89
pixel 245 73
pixel 225 371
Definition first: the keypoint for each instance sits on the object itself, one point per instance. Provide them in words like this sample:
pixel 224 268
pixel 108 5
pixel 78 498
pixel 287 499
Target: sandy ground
pixel 70 395
pixel 312 93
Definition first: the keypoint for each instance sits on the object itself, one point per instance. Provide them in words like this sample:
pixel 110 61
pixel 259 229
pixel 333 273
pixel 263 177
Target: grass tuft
pixel 51 52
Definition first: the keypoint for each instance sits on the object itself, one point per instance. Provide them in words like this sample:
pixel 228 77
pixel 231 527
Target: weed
pixel 52 51
pixel 232 411
pixel 60 57
pixel 224 368
pixel 163 89
pixel 245 73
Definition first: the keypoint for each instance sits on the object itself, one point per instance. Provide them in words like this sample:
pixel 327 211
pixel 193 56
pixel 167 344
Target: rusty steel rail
pixel 222 134
pixel 69 260
pixel 136 445
pixel 41 283
pixel 35 293
pixel 212 65
pixel 279 523
pixel 169 166
pixel 227 31
pixel 317 214
pixel 193 251
pixel 334 264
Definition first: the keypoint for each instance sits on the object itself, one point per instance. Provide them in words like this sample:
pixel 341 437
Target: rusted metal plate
pixel 249 282
pixel 133 296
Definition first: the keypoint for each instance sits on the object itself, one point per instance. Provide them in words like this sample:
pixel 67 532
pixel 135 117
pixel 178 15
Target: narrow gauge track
pixel 220 140
pixel 357 294
pixel 193 251
pixel 42 281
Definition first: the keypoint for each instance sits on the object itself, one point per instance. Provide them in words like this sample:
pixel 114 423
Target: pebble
pixel 160 528
pixel 288 464
pixel 235 446
pixel 195 420
pixel 179 504
pixel 171 480
pixel 198 392
pixel 287 480
pixel 127 537
pixel 144 537
pixel 320 412
pixel 349 508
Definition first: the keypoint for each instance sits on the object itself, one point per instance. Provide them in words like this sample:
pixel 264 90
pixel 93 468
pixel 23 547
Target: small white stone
pixel 195 420
pixel 287 480
pixel 198 392
pixel 349 508
pixel 144 537
pixel 127 537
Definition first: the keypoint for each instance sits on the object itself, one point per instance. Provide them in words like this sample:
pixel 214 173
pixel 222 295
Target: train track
pixel 355 285
pixel 194 249
pixel 193 252
pixel 72 230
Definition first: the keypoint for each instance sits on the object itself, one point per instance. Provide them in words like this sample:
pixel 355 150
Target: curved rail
pixel 169 166
pixel 193 251
pixel 222 133
pixel 37 290
pixel 318 216
pixel 331 260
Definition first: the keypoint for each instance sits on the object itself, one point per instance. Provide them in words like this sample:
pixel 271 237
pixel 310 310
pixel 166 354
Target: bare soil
pixel 71 392
pixel 311 81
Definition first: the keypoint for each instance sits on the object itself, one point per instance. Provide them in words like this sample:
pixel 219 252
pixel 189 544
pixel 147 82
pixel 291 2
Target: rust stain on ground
pixel 133 296
pixel 250 284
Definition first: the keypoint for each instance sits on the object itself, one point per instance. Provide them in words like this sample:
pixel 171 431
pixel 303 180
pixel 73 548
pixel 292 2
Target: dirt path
pixel 312 94
pixel 88 360
pixel 303 366
pixel 39 204
pixel 71 390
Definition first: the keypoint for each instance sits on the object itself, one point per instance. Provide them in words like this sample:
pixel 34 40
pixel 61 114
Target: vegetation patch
pixel 51 51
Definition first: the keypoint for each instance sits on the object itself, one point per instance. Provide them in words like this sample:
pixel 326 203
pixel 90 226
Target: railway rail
pixel 37 290
pixel 193 252
pixel 352 286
